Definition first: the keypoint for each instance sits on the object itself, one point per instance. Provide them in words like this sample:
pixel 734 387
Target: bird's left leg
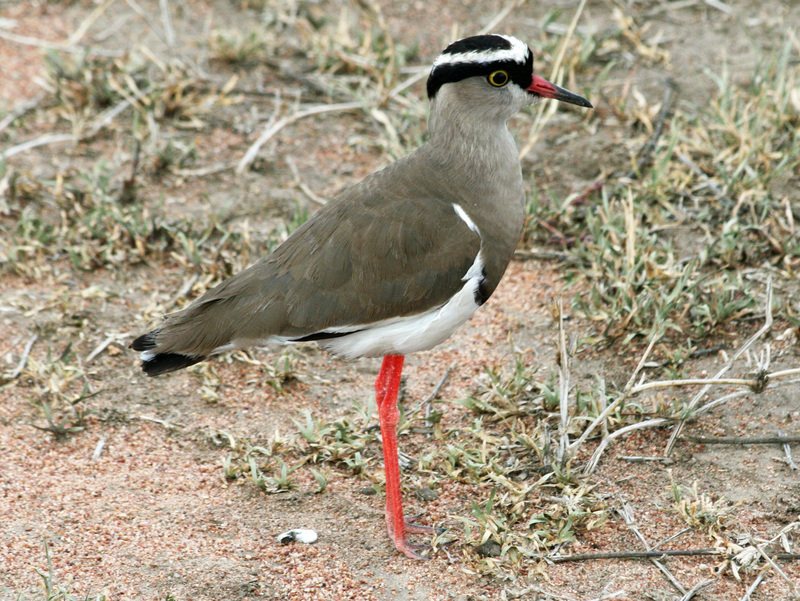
pixel 386 388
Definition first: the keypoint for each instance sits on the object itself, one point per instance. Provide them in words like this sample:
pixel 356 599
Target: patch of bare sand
pixel 152 515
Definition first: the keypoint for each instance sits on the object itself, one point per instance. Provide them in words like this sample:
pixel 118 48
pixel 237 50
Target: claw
pixel 412 549
pixel 412 526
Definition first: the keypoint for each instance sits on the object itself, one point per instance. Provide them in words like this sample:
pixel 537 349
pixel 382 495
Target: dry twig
pixel 787 450
pixel 298 181
pixel 751 589
pixel 166 19
pixel 777 568
pixel 69 45
pixel 626 511
pixel 742 440
pixel 743 349
pixel 657 554
pixel 273 128
pixel 697 588
pixel 167 424
pixel 563 388
pixel 20 110
pixel 103 119
pixel 23 359
pixel 146 16
pixel 434 393
pixel 109 340
pixel 646 152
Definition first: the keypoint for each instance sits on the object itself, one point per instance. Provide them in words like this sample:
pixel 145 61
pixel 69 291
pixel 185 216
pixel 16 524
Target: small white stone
pixel 301 535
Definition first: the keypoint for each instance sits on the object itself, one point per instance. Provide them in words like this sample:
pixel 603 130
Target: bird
pixel 395 263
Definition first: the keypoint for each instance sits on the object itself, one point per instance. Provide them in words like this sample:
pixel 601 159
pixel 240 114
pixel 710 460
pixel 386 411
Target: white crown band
pixel 518 53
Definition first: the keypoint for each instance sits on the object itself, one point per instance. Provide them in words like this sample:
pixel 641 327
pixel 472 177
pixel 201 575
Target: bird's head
pixel 491 75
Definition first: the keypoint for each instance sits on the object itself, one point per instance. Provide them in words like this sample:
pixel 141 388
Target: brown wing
pixel 362 258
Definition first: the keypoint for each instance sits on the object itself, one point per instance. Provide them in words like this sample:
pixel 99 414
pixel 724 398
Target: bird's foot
pixel 413 527
pixel 413 550
pixel 417 551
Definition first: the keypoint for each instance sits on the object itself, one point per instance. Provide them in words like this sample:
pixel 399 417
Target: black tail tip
pixel 156 364
pixel 162 363
pixel 145 342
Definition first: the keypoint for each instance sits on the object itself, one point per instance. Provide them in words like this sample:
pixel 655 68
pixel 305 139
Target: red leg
pixel 386 388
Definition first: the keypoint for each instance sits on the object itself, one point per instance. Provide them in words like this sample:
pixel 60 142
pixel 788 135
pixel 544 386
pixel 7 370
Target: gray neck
pixel 470 140
pixel 471 159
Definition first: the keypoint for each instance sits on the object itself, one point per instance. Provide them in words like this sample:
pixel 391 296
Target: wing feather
pixel 363 258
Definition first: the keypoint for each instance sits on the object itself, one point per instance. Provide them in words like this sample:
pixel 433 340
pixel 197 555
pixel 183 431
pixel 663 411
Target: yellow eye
pixel 498 79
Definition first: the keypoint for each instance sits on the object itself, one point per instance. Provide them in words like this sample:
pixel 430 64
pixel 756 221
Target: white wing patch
pixel 518 53
pixel 463 214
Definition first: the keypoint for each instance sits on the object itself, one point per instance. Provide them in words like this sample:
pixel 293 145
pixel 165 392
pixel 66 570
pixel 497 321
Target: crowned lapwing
pixel 397 262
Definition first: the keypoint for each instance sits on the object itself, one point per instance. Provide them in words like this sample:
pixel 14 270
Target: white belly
pixel 404 335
